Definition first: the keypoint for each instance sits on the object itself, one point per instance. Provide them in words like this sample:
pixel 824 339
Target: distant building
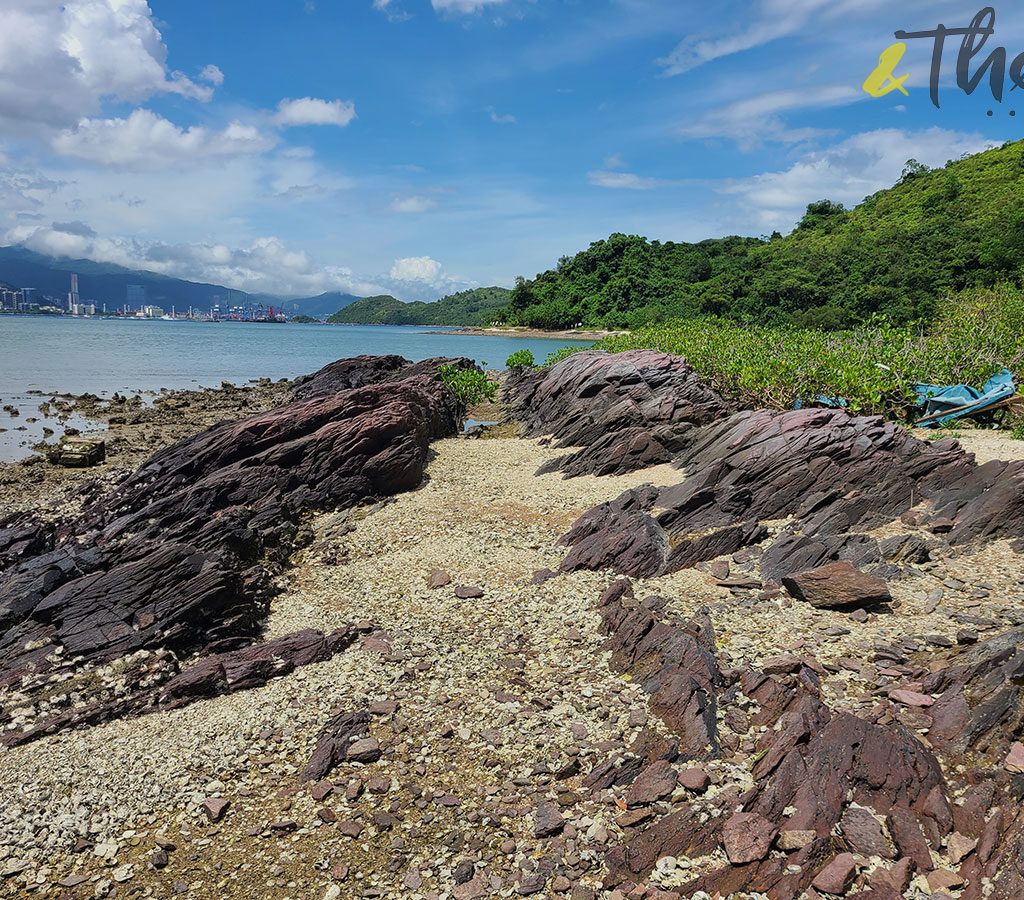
pixel 136 296
pixel 151 312
pixel 73 299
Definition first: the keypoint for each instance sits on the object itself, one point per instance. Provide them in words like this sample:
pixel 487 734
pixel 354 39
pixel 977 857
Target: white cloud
pixel 462 6
pixel 614 161
pixel 212 75
pixel 391 10
pixel 626 180
pixel 507 119
pixel 846 172
pixel 416 268
pixel 58 61
pixel 412 204
pixel 754 120
pixel 311 111
pixel 147 141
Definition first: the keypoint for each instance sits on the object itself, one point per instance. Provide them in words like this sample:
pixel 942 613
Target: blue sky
pixel 423 146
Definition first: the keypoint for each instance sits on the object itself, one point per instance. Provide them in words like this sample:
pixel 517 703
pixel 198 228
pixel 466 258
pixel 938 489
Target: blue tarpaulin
pixel 942 404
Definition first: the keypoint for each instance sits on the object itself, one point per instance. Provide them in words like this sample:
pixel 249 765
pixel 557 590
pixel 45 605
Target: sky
pixel 419 147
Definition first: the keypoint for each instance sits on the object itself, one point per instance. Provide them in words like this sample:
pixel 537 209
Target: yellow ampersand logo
pixel 880 82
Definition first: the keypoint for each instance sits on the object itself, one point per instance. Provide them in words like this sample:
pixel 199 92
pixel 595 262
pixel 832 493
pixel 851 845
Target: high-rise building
pixel 136 296
pixel 73 295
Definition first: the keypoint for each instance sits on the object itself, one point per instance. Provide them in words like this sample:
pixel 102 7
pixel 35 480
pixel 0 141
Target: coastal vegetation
pixel 474 307
pixel 469 385
pixel 871 367
pixel 895 255
pixel 303 319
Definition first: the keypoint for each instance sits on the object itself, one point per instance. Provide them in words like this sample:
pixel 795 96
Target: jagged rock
pixel 830 472
pixel 335 743
pixel 654 783
pixel 549 821
pixel 177 557
pixel 835 878
pixel 628 410
pixel 252 666
pixel 837 585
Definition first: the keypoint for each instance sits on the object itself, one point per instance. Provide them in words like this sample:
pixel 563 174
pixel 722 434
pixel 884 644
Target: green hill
pixel 896 254
pixel 475 307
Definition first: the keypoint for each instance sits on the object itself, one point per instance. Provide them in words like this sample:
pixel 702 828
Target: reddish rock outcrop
pixel 628 410
pixel 177 557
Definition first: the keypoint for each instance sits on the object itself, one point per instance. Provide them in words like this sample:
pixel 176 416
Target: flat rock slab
pixel 838 585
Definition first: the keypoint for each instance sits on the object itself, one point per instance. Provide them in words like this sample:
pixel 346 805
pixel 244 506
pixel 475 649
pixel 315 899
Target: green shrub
pixel 469 385
pixel 521 359
pixel 872 367
pixel 561 353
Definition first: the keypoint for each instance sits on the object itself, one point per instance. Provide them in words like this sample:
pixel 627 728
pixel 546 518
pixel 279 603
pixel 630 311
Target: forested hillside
pixel 474 307
pixel 896 254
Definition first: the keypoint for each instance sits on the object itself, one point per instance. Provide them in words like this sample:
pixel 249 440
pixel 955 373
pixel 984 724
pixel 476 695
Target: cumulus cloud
pixel 212 75
pixel 311 111
pixel 412 204
pixel 846 172
pixel 58 61
pixel 145 140
pixel 416 268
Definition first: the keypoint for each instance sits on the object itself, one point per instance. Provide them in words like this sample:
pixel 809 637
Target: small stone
pixel 320 790
pixel 123 873
pixel 159 859
pixel 350 829
pixel 943 879
pixel 654 783
pixel 549 821
pixel 215 808
pixel 413 880
pixel 339 871
pixel 747 837
pixel 365 751
pixel 333 892
pixel 694 779
pixel 911 698
pixel 959 846
pixel 1014 761
pixel 73 881
pixel 468 592
pixel 835 878
pixel 781 665
pixel 859 616
pixel 438 579
pixel 472 890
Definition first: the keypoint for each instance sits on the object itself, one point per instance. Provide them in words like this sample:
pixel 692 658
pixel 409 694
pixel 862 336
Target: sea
pixel 42 357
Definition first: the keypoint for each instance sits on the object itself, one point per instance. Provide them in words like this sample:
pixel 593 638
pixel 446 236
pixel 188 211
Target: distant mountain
pixel 107 283
pixel 475 307
pixel 318 307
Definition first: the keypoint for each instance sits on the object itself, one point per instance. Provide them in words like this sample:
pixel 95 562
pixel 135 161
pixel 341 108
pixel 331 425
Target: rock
pixel 438 579
pixel 321 790
pixel 215 808
pixel 549 821
pixel 629 410
pixel 911 698
pixel 468 592
pixel 1014 761
pixel 159 859
pixel 863 834
pixel 654 783
pixel 837 586
pixel 747 837
pixel 472 890
pixel 960 846
pixel 337 739
pixel 179 555
pixel 365 751
pixel 694 779
pixel 835 878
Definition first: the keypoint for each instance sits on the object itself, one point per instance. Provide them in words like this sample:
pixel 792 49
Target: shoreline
pixel 532 333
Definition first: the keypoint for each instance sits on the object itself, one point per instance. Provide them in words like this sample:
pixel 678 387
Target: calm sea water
pixel 65 355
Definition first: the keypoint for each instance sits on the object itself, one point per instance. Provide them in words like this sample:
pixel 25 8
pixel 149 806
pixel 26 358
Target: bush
pixel 872 367
pixel 469 385
pixel 521 359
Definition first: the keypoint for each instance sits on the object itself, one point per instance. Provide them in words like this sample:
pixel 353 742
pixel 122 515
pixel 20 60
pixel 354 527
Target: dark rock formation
pixel 830 472
pixel 336 742
pixel 628 410
pixel 177 557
